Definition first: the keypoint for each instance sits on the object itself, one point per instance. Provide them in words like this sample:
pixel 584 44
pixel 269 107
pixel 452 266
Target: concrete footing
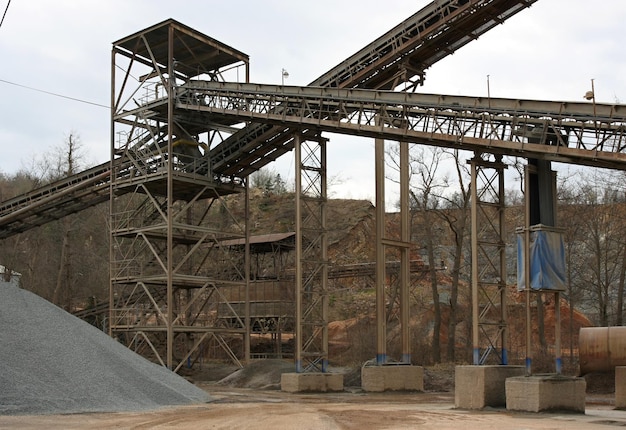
pixel 392 378
pixel 539 393
pixel 620 387
pixel 476 387
pixel 311 382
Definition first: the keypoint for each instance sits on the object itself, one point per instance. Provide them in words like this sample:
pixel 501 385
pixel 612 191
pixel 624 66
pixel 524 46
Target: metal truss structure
pixel 489 324
pixel 178 150
pixel 568 132
pixel 397 60
pixel 311 283
pixel 169 268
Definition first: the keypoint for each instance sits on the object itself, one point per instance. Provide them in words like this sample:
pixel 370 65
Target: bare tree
pixel 456 215
pixel 601 232
pixel 425 192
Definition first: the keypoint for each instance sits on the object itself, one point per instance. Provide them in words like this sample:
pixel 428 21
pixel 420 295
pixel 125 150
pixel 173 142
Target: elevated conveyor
pixel 54 201
pixel 569 132
pixel 397 59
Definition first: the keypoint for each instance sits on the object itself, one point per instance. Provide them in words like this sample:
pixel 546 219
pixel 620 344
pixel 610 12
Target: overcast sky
pixel 548 52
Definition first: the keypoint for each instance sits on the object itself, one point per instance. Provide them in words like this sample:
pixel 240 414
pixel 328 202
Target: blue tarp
pixel 547 261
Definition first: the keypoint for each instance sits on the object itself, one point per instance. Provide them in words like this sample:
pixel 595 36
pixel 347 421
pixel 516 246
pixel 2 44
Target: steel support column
pixel 402 245
pixel 489 330
pixel 381 320
pixel 405 237
pixel 311 255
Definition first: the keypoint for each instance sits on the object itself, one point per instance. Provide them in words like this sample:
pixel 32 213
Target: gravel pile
pixel 262 374
pixel 54 363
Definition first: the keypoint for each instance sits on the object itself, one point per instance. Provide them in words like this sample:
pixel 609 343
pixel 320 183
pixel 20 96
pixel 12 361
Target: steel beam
pixel 576 133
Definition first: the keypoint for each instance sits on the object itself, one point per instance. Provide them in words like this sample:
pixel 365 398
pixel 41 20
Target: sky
pixel 550 51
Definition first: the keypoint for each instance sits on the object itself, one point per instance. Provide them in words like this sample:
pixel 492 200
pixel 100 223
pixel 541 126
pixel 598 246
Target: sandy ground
pixel 239 408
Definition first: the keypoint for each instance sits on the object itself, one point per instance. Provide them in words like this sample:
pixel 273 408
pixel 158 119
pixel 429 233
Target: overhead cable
pixel 55 94
pixel 5 12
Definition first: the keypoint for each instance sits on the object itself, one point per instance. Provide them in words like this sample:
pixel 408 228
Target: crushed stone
pixel 262 374
pixel 54 363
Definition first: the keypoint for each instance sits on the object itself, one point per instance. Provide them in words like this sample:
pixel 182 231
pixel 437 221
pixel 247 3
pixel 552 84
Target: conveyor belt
pixel 399 57
pixel 571 132
pixel 55 200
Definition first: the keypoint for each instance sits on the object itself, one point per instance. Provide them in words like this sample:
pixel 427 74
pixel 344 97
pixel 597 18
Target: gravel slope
pixel 52 362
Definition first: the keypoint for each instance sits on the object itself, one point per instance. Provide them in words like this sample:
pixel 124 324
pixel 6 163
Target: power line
pixel 55 94
pixel 5 12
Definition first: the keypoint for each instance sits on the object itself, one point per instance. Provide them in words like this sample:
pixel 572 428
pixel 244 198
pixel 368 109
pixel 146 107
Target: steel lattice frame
pixel 311 255
pixel 489 334
pixel 170 273
pixel 569 132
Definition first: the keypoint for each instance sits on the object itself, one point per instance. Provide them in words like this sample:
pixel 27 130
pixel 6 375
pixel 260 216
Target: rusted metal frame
pixel 115 103
pixel 299 353
pixel 533 110
pixel 311 256
pixel 189 50
pixel 185 311
pixel 492 300
pixel 155 306
pixel 226 348
pixel 207 297
pixel 199 242
pixel 126 300
pixel 489 339
pixel 247 267
pixel 154 252
pixel 192 300
pixel 490 252
pixel 155 202
pixel 16 214
pixel 151 64
pixel 191 202
pixel 170 85
pixel 390 53
pixel 527 293
pixel 191 350
pixel 214 288
pixel 380 272
pixel 232 264
pixel 233 218
pixel 150 344
pixel 300 120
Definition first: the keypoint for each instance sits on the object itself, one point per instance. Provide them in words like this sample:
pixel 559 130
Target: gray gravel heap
pixel 54 363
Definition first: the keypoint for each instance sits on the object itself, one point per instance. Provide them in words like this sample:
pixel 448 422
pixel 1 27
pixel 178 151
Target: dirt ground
pixel 240 408
pixel 250 399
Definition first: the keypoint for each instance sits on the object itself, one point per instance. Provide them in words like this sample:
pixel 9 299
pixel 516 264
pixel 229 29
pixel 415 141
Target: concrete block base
pixel 311 382
pixel 392 378
pixel 620 387
pixel 545 393
pixel 476 387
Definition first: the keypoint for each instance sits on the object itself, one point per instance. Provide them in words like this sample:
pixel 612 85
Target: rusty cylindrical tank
pixel 600 349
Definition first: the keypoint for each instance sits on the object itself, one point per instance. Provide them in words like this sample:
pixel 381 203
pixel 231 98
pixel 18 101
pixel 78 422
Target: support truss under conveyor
pixel 567 132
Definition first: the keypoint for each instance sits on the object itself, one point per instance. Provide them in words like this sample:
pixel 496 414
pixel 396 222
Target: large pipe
pixel 601 349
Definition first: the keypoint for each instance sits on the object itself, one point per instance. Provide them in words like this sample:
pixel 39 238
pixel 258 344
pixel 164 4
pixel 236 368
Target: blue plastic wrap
pixel 547 261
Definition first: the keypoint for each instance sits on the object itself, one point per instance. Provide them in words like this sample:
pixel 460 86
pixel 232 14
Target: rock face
pixel 54 363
